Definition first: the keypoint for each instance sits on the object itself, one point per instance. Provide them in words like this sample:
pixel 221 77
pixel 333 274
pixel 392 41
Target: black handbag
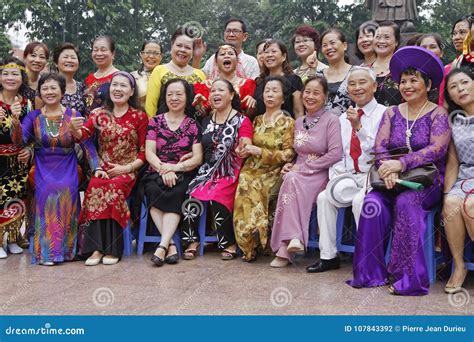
pixel 424 175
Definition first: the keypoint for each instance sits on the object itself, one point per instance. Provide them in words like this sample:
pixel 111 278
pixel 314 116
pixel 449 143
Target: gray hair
pixel 366 69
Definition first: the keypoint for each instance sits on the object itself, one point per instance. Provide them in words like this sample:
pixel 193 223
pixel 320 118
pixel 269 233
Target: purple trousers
pixel 403 215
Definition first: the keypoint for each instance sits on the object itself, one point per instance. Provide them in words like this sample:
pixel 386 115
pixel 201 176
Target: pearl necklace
pixel 103 73
pixel 408 131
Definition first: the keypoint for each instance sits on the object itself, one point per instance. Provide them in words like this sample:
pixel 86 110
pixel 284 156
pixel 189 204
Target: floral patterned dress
pixel 77 100
pixel 121 141
pixel 96 89
pixel 258 177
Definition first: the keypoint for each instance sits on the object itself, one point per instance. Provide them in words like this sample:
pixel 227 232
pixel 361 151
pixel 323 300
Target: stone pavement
pixel 205 286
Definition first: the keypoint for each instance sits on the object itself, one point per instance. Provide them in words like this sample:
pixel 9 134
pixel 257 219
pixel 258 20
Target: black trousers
pixel 223 225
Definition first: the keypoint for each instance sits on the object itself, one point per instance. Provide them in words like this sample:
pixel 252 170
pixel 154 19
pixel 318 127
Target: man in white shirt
pixel 235 33
pixel 348 178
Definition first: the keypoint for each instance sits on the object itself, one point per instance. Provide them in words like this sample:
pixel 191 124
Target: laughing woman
pixel 56 200
pixel 182 46
pixel 226 59
pixel 225 132
pixel 120 130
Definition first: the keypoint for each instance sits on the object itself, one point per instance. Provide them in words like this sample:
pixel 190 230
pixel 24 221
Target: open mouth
pixel 366 46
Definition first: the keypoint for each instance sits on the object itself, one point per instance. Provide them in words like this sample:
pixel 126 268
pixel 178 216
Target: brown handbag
pixel 425 174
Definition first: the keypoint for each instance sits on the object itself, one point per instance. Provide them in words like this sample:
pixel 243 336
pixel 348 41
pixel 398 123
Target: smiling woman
pixel 182 45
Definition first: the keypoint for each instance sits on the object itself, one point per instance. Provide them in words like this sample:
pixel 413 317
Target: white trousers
pixel 327 216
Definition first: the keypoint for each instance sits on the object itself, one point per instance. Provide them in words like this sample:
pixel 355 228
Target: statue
pixel 403 12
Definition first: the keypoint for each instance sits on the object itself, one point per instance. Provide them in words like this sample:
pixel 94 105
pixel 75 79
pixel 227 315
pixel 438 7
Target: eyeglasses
pixel 233 31
pixel 303 41
pixel 151 53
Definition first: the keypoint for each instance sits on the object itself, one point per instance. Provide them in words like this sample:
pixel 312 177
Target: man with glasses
pixel 235 33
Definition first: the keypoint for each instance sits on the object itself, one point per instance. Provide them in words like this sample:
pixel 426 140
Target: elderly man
pixel 347 185
pixel 235 33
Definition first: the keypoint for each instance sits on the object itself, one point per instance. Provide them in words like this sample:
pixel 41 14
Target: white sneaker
pixel 3 254
pixel 14 248
pixel 295 246
pixel 47 263
pixel 109 260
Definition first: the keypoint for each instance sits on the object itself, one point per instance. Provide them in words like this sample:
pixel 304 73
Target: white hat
pixel 341 190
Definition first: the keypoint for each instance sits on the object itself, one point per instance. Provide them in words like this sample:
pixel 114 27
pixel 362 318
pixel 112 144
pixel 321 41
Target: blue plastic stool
pixel 341 213
pixel 143 237
pixel 202 230
pixel 428 246
pixel 313 236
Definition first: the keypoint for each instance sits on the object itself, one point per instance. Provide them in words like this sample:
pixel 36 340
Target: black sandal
pixel 157 260
pixel 228 255
pixel 172 259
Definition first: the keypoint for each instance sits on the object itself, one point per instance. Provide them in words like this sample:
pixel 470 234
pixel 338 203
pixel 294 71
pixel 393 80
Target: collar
pixel 369 108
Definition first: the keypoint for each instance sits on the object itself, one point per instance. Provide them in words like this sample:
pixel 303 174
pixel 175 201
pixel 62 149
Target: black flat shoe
pixel 157 260
pixel 174 258
pixel 324 265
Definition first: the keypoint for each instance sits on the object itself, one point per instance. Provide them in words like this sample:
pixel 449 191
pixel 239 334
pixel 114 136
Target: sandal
pixel 157 260
pixel 172 259
pixel 392 290
pixel 227 255
pixel 190 253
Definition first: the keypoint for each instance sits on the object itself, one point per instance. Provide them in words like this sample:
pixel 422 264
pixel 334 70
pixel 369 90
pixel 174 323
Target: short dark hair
pixel 435 36
pixel 235 99
pixel 231 20
pixel 284 85
pixel 367 27
pixel 306 30
pixel 395 28
pixel 32 46
pixel 415 72
pixel 463 70
pixel 319 78
pixel 65 46
pixel 48 76
pixel 182 31
pixel 24 75
pixel 189 91
pixel 109 41
pixel 132 101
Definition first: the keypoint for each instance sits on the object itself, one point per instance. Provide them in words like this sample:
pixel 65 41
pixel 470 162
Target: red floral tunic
pixel 121 141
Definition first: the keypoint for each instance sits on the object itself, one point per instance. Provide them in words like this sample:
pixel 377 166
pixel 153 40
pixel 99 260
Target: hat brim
pixel 331 186
pixel 419 58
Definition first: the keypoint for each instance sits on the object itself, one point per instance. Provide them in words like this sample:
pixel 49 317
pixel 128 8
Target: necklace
pixel 49 127
pixel 103 73
pixel 177 68
pixel 311 124
pixel 215 127
pixel 409 128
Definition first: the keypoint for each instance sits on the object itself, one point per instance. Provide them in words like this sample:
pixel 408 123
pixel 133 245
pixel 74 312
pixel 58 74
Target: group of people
pixel 256 141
